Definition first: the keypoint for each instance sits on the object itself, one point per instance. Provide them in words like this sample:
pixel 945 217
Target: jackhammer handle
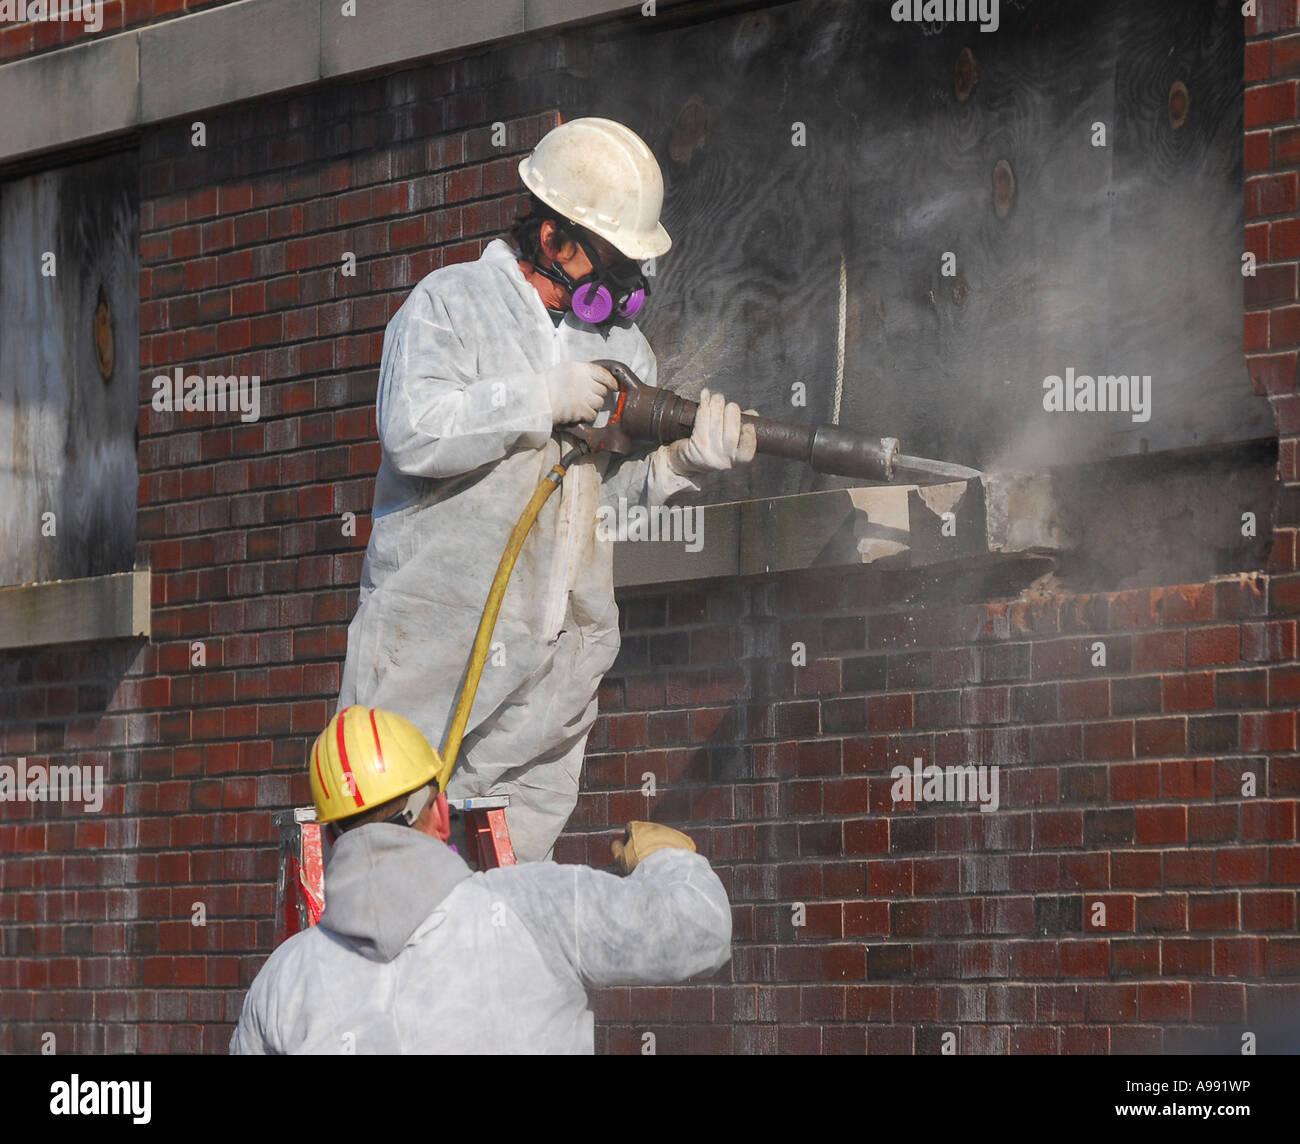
pixel 659 415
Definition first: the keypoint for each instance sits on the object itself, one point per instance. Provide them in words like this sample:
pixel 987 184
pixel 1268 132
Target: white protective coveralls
pixel 415 954
pixel 465 425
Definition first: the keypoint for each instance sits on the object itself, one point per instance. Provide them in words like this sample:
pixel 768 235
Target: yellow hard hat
pixel 366 757
pixel 601 175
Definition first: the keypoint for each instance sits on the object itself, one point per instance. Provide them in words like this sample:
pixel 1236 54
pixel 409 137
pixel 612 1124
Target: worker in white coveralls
pixel 416 954
pixel 480 365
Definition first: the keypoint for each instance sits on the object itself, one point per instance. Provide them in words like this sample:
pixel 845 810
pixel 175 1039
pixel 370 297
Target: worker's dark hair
pixel 526 233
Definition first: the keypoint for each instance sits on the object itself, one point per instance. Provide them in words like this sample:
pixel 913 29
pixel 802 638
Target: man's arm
pixel 436 418
pixel 249 1038
pixel 252 1036
pixel 666 921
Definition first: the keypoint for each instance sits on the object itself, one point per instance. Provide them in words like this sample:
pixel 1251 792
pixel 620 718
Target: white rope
pixel 839 342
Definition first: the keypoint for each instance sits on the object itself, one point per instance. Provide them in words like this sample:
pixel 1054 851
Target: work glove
pixel 577 390
pixel 644 838
pixel 718 441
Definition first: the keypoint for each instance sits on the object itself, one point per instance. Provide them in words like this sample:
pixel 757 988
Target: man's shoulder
pixel 531 883
pixel 458 275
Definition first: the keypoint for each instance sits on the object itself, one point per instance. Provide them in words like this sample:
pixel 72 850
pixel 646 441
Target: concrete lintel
pixel 207 59
pixel 402 30
pixel 76 611
pixel 71 96
pixel 896 526
pixel 222 55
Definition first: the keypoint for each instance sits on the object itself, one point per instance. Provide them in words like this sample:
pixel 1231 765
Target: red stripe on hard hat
pixel 315 758
pixel 379 750
pixel 347 767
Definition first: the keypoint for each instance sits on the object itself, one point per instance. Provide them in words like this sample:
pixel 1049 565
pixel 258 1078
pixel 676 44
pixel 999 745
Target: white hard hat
pixel 601 175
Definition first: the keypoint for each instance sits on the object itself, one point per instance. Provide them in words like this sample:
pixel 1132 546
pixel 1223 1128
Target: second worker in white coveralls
pixel 416 953
pixel 481 363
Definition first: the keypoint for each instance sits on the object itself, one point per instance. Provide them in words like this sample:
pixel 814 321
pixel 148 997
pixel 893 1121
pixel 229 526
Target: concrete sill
pixel 1165 518
pixel 75 611
pixel 893 526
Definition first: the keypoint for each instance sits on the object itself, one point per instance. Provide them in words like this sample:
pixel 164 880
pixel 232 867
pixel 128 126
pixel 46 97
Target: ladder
pixel 478 833
pixel 487 839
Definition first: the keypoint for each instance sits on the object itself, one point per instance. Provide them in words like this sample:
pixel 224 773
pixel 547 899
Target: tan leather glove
pixel 644 838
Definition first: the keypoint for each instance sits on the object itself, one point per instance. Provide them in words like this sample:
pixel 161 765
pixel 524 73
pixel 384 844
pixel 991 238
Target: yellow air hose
pixel 483 641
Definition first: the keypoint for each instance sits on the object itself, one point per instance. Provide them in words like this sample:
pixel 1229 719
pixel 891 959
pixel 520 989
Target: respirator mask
pixel 607 293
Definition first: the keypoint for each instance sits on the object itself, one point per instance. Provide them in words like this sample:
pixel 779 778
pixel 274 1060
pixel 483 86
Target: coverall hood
pixel 384 881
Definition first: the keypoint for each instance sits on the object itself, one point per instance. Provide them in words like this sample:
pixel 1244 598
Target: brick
pixel 1273 284
pixel 1108 740
pixel 1193 692
pixel 1111 1002
pixel 1239 957
pixel 1138 696
pixel 1260 62
pixel 1212 911
pixel 889 962
pixel 1276 373
pixel 1153 737
pixel 1034 704
pixel 1269 910
pixel 1272 103
pixel 1240 867
pixel 1135 958
pixel 864 673
pixel 1160 825
pixel 889 713
pixel 1254 332
pixel 1240 689
pixel 1284 865
pixel 1188 867
pixel 1282 957
pixel 1136 870
pixel 1164 1002
pixel 1130 782
pixel 1268 820
pixel 1053 659
pixel 1218 1003
pixel 1211 823
pixel 1268 732
pixel 1213 734
pixel 1284 687
pixel 1271 194
pixel 1158 651
pixel 1271 16
pixel 1085 699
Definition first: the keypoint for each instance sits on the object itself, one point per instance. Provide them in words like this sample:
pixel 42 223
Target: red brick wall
pixel 241 249
pixel 1119 783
